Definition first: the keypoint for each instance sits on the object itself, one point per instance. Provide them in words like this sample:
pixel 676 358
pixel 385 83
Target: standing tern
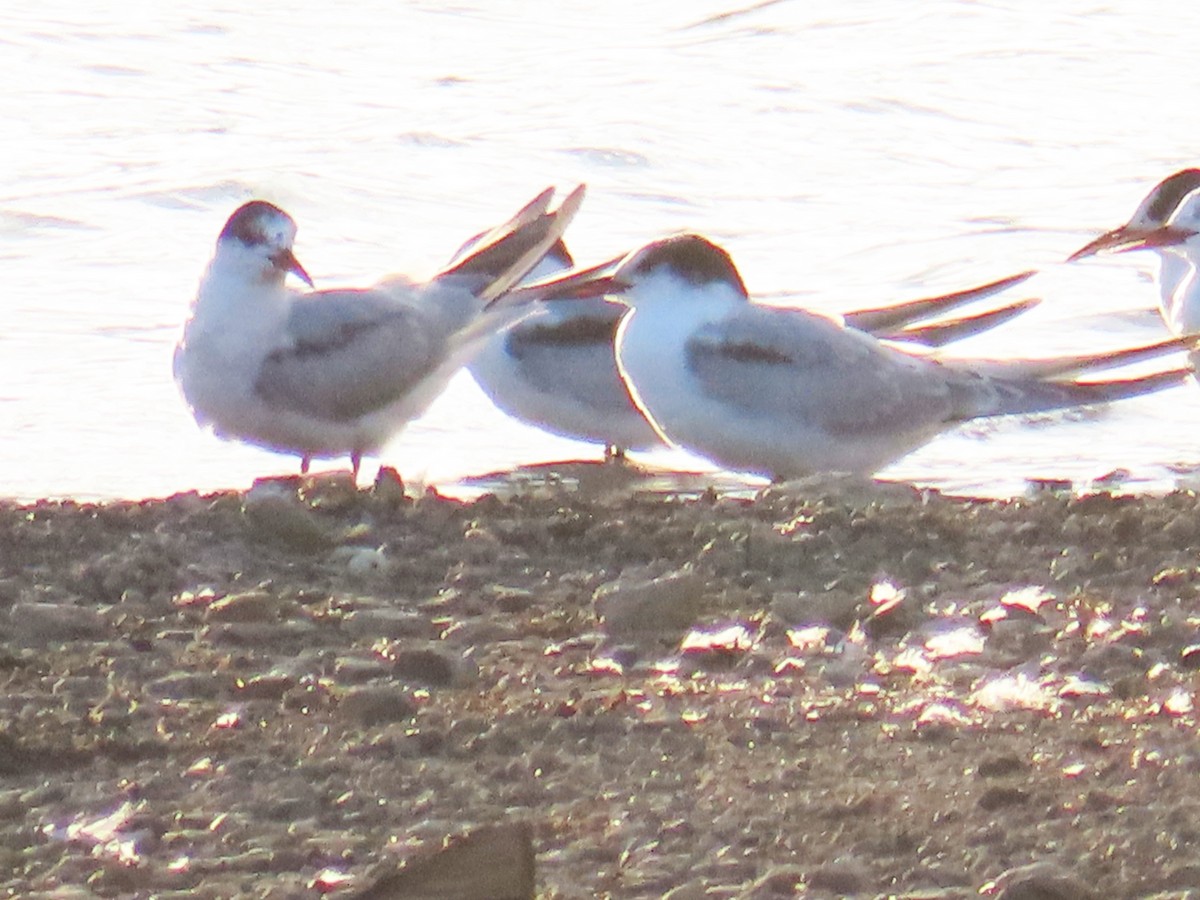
pixel 1165 221
pixel 338 372
pixel 784 392
pixel 557 370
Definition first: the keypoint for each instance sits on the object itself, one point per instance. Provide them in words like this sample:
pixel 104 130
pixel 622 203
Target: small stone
pixel 1041 881
pixel 378 705
pixel 841 876
pixel 637 606
pixel 389 623
pixel 36 624
pixel 251 606
pixel 997 766
pixel 433 666
pixel 185 686
pixel 275 514
pixel 363 561
pixel 999 797
pixel 266 687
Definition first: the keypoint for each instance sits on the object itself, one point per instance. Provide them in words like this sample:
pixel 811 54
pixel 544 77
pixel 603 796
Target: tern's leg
pixel 613 453
pixel 355 462
pixel 305 462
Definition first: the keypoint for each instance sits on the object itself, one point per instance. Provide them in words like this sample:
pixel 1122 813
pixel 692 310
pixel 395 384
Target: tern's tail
pixel 890 318
pixel 988 395
pixel 500 258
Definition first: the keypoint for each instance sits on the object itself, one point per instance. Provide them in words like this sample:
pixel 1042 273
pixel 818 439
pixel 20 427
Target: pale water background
pixel 848 154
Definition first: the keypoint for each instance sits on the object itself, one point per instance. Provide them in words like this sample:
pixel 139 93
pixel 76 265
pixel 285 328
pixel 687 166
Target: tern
pixel 783 393
pixel 331 373
pixel 557 370
pixel 1165 221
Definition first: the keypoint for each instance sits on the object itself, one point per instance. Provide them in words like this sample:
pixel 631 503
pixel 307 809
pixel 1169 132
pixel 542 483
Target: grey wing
pixel 350 353
pixel 790 364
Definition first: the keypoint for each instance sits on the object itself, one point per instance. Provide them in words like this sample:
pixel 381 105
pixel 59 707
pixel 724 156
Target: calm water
pixel 847 154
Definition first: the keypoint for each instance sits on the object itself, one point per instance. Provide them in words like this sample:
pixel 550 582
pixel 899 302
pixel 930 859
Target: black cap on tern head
pixel 693 258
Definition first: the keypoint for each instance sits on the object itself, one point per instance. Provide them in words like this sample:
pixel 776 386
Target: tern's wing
pixel 350 352
pixel 802 367
pixel 788 363
pixel 889 318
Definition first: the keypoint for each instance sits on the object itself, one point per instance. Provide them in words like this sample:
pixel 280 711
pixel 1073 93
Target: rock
pixel 250 606
pixel 633 606
pixel 1041 881
pixel 186 686
pixel 845 875
pixel 433 666
pixel 388 622
pixel 377 704
pixel 275 514
pixel 492 863
pixel 37 624
pixel 362 562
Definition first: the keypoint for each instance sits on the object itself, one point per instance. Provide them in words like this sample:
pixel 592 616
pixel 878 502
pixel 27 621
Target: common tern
pixel 1165 221
pixel 783 392
pixel 557 370
pixel 338 372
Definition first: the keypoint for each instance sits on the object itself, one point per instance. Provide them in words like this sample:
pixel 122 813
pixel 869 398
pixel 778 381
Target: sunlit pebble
pixel 885 592
pixel 195 598
pixel 606 665
pixel 179 865
pixel 942 714
pixel 218 820
pixel 1179 703
pixel 1073 770
pixel 1012 692
pixel 201 767
pixel 912 659
pixel 789 665
pixel 732 638
pixel 328 880
pixel 1029 598
pixel 962 641
pixel 885 597
pixel 1098 628
pixel 993 615
pixel 231 719
pixel 810 639
pixel 693 717
pixel 1077 686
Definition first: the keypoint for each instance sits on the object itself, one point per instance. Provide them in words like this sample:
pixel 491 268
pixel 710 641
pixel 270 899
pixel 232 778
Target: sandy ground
pixel 823 692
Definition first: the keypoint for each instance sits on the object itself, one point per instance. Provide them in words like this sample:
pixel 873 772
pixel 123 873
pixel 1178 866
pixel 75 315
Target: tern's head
pixel 689 259
pixel 260 235
pixel 1156 223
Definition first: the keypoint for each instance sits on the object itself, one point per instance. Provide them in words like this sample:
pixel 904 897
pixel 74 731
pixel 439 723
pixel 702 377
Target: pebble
pixel 250 606
pixel 275 514
pixel 1041 881
pixel 388 622
pixel 37 624
pixel 377 704
pixel 633 606
pixel 434 666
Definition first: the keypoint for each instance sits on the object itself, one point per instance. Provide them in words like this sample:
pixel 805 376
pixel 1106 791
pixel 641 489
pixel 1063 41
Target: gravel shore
pixel 851 690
